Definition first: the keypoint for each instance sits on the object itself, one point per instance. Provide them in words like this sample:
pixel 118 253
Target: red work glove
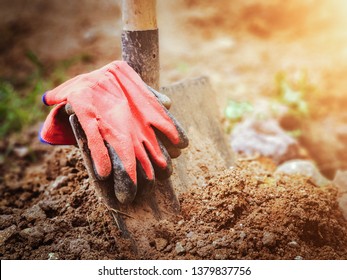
pixel 127 129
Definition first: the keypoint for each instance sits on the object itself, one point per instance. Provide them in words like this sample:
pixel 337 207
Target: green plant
pixel 17 111
pixel 293 93
pixel 19 108
pixel 235 111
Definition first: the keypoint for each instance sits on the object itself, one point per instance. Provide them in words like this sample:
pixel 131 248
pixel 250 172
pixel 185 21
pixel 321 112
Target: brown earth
pixel 48 209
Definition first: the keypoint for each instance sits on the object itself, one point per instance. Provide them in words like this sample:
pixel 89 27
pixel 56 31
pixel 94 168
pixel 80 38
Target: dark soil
pixel 49 211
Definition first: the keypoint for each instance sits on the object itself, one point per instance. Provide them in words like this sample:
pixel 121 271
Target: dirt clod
pixel 160 243
pixel 269 239
pixel 33 235
pixel 79 246
pixel 7 233
pixel 34 213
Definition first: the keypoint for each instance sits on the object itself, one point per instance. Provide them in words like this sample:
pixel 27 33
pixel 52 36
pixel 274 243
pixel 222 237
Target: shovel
pixel 194 106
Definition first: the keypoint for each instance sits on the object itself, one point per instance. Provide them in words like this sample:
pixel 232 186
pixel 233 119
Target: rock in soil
pixel 179 248
pixel 293 244
pixel 342 200
pixel 269 239
pixel 340 181
pixel 265 138
pixel 305 168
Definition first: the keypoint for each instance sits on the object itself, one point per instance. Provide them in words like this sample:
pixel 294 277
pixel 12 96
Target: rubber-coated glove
pixel 128 130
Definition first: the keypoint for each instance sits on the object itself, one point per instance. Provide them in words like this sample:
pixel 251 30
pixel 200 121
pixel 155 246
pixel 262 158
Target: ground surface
pixel 48 208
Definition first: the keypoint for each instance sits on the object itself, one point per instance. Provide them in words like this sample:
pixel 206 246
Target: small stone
pixel 168 248
pixel 179 248
pixel 220 256
pixel 293 244
pixel 78 246
pixel 190 234
pixel 269 239
pixel 34 213
pixel 180 223
pixel 263 137
pixel 34 235
pixel 160 243
pixel 242 235
pixel 53 256
pixel 298 258
pixel 59 181
pixel 7 233
pixel 340 181
pixel 21 152
pixel 305 168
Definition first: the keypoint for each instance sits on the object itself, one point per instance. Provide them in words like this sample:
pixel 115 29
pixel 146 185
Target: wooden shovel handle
pixel 140 40
pixel 139 15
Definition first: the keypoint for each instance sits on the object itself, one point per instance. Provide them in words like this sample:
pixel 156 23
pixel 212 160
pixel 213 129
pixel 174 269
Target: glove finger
pixel 182 141
pixel 124 187
pixel 161 171
pixel 144 161
pixel 163 99
pixel 142 178
pixel 170 148
pixel 92 163
pixel 173 151
pixel 60 93
pixel 88 131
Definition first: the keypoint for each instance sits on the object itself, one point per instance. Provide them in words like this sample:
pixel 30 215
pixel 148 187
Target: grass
pixel 22 107
pixel 292 93
pixel 17 111
pixel 235 112
pixel 19 108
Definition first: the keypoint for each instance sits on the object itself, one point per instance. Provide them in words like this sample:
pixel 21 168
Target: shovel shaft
pixel 140 42
pixel 139 15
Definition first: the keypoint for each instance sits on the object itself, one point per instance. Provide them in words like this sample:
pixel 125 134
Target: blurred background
pixel 266 59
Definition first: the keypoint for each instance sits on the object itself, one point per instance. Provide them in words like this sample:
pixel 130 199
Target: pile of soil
pixel 49 211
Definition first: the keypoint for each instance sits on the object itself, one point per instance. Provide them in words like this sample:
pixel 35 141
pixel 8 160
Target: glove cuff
pixel 57 130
